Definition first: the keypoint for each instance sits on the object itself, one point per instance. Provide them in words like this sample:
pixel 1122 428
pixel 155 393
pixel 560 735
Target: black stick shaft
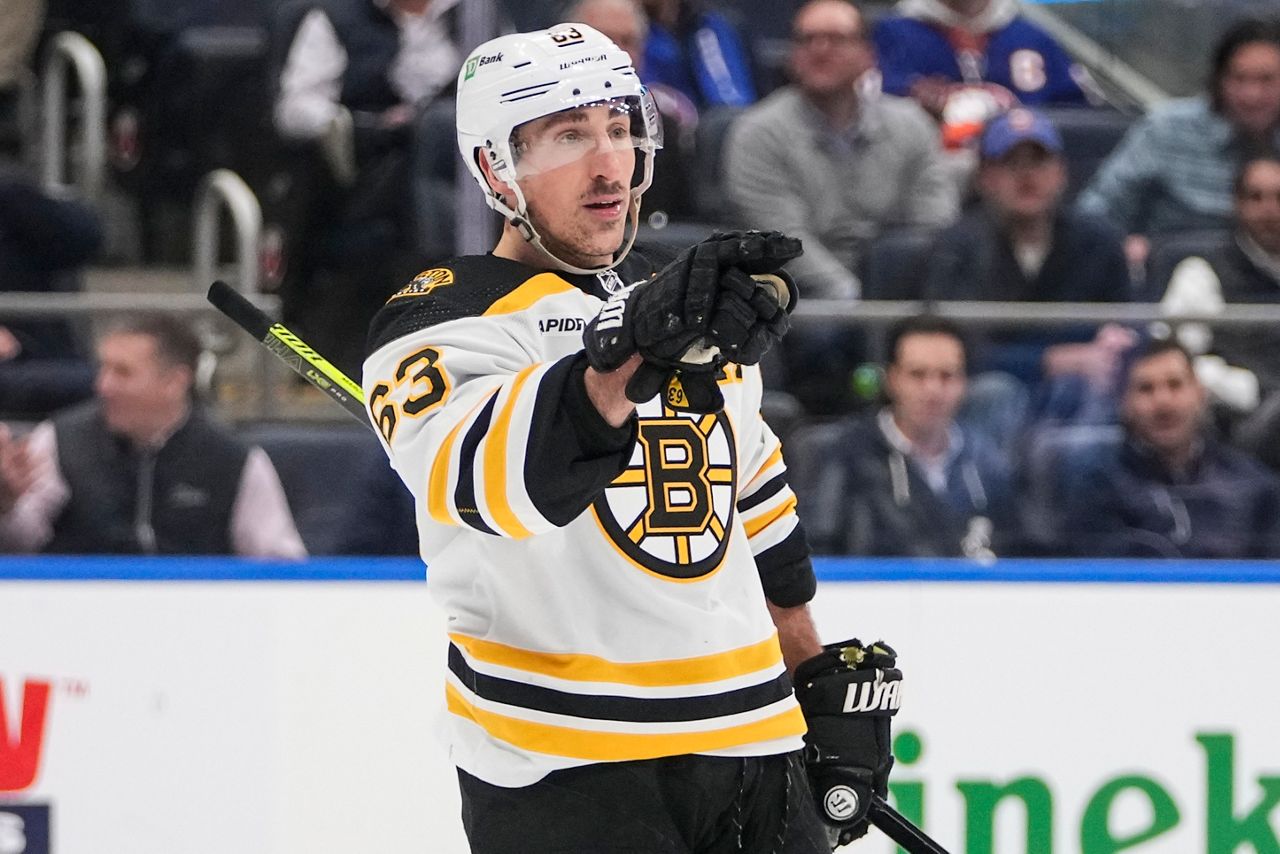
pixel 897 827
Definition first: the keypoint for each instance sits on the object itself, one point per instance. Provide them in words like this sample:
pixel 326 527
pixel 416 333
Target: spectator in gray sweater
pixel 830 159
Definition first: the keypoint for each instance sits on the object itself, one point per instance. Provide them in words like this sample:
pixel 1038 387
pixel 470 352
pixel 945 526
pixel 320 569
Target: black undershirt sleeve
pixel 786 572
pixel 573 453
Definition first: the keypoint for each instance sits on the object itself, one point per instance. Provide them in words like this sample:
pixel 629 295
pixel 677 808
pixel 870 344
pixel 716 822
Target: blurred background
pixel 1030 403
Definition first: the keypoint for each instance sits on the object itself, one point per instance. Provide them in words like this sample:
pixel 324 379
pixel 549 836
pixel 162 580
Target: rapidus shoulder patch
pixel 425 282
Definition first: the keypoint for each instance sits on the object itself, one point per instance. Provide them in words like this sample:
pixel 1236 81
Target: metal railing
pixel 72 50
pixel 18 305
pixel 221 189
pixel 1109 70
pixel 993 314
pixel 872 312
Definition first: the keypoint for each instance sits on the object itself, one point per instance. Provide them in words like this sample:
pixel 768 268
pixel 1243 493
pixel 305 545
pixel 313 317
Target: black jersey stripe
pixel 613 708
pixel 771 488
pixel 464 494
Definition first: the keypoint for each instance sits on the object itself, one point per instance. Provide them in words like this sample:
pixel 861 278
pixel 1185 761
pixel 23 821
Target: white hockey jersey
pixel 604 587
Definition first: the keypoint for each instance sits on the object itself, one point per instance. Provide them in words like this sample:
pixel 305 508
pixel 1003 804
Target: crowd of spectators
pixel 931 119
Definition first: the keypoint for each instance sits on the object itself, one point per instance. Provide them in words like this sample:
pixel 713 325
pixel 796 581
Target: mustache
pixel 601 187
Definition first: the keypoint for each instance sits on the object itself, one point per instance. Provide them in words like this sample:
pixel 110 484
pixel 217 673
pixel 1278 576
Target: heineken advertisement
pixel 1081 716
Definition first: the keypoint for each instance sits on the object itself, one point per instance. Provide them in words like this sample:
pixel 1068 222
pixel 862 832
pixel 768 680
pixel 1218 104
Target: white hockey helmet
pixel 515 79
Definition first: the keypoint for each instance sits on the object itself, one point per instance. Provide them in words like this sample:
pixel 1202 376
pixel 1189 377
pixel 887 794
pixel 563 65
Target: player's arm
pixel 607 391
pixel 797 635
pixel 488 438
pixel 767 508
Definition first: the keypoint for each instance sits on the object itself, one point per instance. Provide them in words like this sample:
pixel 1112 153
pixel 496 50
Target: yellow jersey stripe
pixel 438 482
pixel 760 473
pixel 758 524
pixel 594 746
pixel 495 461
pixel 648 674
pixel 540 286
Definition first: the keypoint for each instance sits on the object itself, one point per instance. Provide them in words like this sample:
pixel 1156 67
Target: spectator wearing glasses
pixel 1174 170
pixel 1171 490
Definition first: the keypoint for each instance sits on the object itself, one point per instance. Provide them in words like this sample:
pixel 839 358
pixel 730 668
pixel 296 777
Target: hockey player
pixel 605 516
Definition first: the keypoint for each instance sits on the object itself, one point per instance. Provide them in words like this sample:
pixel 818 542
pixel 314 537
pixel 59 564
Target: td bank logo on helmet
pixel 475 63
pixel 21 739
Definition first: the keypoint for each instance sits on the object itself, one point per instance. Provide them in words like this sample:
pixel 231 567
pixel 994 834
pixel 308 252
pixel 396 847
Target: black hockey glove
pixel 848 694
pixel 751 314
pixel 667 318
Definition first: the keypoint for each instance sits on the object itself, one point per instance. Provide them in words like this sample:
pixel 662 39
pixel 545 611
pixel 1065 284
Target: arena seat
pixel 184 93
pixel 808 450
pixel 708 191
pixel 319 465
pixel 1168 251
pixel 1088 136
pixel 1055 461
pixel 894 265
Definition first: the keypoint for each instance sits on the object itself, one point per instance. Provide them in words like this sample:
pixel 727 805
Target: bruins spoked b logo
pixel 670 511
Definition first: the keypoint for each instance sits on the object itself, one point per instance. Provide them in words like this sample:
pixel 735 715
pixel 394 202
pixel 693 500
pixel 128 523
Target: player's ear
pixel 495 183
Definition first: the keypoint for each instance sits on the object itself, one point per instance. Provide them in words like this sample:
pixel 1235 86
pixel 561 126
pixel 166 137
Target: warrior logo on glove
pixel 849 693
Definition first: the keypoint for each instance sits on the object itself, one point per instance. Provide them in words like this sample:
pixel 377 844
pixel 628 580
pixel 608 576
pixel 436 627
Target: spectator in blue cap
pixel 1020 244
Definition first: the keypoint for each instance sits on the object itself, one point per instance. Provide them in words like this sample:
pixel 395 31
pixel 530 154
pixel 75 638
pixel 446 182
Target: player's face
pixel 1250 88
pixel 1164 402
pixel 1024 184
pixel 575 170
pixel 1258 204
pixel 136 388
pixel 926 382
pixel 829 48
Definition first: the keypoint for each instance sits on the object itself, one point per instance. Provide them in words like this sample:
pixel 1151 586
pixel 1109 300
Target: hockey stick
pixel 291 350
pixel 899 828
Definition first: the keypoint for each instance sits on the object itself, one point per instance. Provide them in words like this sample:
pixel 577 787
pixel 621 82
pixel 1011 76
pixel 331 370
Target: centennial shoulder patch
pixel 425 282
